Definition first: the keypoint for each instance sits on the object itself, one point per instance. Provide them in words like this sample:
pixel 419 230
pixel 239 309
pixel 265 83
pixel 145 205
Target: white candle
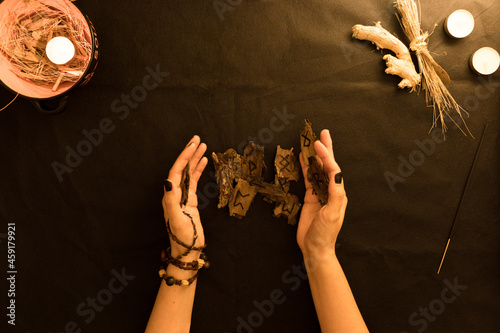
pixel 60 50
pixel 459 24
pixel 485 61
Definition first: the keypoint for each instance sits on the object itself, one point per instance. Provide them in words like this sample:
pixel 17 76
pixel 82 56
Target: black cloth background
pixel 228 79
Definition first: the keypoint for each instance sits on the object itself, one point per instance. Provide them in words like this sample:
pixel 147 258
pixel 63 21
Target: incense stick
pixel 461 199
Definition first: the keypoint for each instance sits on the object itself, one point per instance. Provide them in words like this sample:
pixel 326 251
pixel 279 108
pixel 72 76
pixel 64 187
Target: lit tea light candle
pixel 60 50
pixel 485 61
pixel 459 24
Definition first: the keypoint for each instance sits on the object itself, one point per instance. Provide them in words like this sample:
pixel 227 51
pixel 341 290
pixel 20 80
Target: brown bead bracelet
pixel 170 280
pixel 194 265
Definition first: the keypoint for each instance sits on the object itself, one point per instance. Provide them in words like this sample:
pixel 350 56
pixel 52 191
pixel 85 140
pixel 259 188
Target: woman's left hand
pixel 180 224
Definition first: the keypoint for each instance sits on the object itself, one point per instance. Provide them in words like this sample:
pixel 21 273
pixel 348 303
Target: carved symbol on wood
pixel 252 166
pixel 288 210
pixel 315 174
pixel 317 178
pixel 306 142
pixel 239 194
pixel 283 181
pixel 284 162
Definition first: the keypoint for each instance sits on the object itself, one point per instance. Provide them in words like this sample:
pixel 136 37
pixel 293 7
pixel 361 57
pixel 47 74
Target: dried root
pixel 401 65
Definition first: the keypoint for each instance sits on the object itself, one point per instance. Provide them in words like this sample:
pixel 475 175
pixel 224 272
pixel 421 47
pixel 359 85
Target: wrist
pixel 179 250
pixel 182 268
pixel 318 254
pixel 182 261
pixel 315 262
pixel 191 257
pixel 178 273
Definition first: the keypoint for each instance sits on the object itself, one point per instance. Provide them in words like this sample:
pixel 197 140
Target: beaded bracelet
pixel 166 257
pixel 170 280
pixel 194 265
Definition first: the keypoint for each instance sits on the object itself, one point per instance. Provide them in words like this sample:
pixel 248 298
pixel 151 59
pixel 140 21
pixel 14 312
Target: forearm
pixel 335 305
pixel 174 304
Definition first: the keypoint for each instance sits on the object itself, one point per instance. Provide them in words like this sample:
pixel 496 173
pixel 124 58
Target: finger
pixel 344 205
pixel 337 200
pixel 171 203
pixel 337 203
pixel 326 140
pixel 329 165
pixel 320 162
pixel 195 177
pixel 304 168
pixel 198 154
pixel 193 185
pixel 198 164
pixel 175 174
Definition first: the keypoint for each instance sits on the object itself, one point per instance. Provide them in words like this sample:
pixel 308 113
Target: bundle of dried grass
pixel 435 78
pixel 29 28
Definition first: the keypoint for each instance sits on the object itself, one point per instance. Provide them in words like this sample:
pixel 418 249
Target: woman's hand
pixel 319 226
pixel 180 224
pixel 174 304
pixel 317 233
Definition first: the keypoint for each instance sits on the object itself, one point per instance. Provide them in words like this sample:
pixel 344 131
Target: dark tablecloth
pixel 88 240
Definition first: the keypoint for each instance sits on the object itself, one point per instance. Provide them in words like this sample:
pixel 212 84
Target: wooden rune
pixel 315 174
pixel 228 168
pixel 253 161
pixel 241 198
pixel 307 139
pixel 240 178
pixel 270 192
pixel 287 168
pixel 319 180
pixel 186 179
pixel 288 208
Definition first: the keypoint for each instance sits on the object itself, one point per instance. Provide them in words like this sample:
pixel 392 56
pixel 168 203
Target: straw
pixel 436 93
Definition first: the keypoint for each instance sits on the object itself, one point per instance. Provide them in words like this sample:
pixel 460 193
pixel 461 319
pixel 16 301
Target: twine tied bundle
pixel 29 28
pixel 434 76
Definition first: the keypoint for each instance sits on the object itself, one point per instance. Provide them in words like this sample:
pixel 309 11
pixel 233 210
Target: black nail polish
pixel 168 185
pixel 338 178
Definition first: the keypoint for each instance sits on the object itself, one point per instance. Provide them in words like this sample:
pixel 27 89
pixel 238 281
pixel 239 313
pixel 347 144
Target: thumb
pixel 336 193
pixel 171 203
pixel 337 199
